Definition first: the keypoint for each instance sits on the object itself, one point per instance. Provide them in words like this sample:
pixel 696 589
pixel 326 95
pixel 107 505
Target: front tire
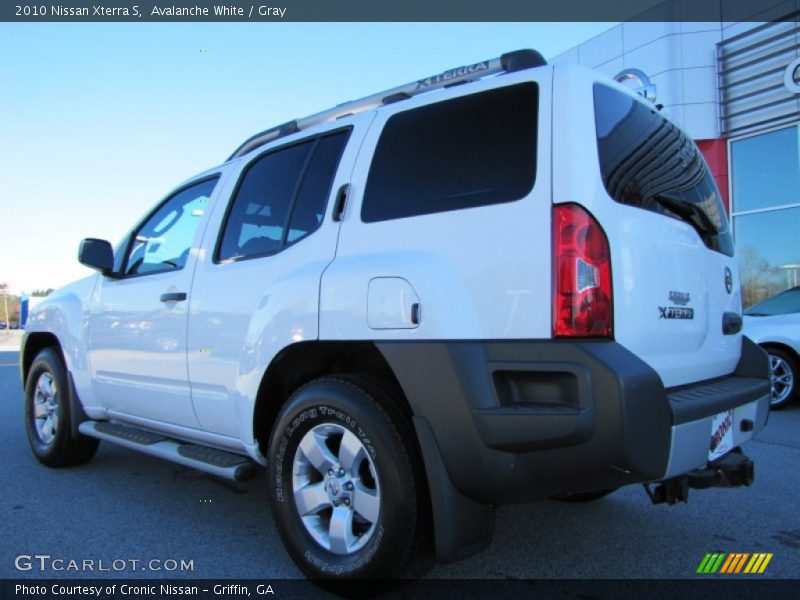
pixel 47 415
pixel 346 482
pixel 783 372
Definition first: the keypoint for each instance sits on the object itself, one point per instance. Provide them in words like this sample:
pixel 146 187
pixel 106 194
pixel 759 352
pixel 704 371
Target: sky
pixel 99 121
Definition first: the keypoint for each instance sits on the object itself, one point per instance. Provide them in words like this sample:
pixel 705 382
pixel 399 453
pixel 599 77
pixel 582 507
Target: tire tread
pixel 383 401
pixel 68 450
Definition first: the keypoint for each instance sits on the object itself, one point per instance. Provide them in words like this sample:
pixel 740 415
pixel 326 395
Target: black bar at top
pixel 395 10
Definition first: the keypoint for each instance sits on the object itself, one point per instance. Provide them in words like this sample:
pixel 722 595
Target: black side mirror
pixel 97 254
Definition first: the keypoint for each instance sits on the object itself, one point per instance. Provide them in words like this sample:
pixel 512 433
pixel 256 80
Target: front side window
pixel 163 242
pixel 281 198
pixel 470 151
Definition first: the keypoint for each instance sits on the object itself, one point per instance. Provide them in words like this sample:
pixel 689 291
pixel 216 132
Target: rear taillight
pixel 582 296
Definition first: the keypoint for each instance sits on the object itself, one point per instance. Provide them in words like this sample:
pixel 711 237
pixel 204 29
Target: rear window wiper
pixel 691 212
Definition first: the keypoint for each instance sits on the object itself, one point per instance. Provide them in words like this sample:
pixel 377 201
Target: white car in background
pixel 774 324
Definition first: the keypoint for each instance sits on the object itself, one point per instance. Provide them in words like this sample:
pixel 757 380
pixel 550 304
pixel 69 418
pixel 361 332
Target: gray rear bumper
pixel 516 421
pixel 689 441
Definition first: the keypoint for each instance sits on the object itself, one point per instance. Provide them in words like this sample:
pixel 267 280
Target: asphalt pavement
pixel 125 506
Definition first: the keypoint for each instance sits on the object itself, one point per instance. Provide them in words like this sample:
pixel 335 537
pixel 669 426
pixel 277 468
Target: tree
pixel 13 310
pixel 759 278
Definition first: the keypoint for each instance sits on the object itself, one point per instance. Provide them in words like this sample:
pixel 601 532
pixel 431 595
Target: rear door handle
pixel 173 297
pixel 341 201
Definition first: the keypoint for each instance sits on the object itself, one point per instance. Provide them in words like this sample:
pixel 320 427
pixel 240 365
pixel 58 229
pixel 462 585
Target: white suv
pixel 506 282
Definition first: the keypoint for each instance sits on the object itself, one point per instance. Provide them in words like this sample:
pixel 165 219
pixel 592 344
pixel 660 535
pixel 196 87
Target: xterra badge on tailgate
pixel 677 312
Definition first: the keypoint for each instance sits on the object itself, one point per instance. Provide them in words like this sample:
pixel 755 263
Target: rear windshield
pixel 648 162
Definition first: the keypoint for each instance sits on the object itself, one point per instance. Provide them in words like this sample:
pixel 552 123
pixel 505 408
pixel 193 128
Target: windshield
pixel 648 162
pixel 783 304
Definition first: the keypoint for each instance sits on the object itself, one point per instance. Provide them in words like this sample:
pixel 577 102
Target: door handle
pixel 173 296
pixel 341 201
pixel 415 313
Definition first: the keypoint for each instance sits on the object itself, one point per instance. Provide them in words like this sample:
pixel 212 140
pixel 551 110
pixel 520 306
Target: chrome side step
pixel 203 458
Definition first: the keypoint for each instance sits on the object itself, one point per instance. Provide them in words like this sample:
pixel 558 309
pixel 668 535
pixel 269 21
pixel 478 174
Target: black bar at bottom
pixel 752 586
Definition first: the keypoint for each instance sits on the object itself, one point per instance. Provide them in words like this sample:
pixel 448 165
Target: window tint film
pixel 290 185
pixel 258 216
pixel 163 242
pixel 470 151
pixel 648 162
pixel 316 187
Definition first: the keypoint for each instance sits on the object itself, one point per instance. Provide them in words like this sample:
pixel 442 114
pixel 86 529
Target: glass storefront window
pixel 765 169
pixel 765 182
pixel 768 249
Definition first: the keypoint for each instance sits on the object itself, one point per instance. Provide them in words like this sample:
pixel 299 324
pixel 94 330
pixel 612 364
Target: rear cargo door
pixel 674 277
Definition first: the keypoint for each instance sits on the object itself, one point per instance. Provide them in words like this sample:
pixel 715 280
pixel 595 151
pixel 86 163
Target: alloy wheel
pixel 782 379
pixel 336 489
pixel 46 412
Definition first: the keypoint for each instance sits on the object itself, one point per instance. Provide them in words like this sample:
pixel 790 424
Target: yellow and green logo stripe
pixel 734 562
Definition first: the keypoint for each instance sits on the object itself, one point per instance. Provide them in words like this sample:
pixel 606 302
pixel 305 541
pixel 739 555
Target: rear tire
pixel 346 482
pixel 48 422
pixel 783 372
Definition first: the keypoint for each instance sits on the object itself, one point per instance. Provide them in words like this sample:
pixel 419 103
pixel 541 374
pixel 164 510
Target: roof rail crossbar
pixel 507 63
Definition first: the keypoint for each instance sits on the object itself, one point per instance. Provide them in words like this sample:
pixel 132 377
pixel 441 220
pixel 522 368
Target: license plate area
pixel 721 434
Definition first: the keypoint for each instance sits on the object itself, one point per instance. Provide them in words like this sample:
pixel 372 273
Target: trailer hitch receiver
pixel 734 469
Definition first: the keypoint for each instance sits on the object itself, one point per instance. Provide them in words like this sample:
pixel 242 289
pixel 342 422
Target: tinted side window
pixel 316 187
pixel 256 221
pixel 281 197
pixel 648 162
pixel 163 242
pixel 470 151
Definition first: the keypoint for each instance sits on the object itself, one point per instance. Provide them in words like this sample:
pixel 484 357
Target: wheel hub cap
pixel 782 379
pixel 45 408
pixel 335 487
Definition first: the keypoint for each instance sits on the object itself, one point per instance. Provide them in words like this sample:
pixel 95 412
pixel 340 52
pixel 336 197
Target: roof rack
pixel 507 63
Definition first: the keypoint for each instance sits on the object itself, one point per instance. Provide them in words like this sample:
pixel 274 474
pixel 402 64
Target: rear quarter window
pixel 470 151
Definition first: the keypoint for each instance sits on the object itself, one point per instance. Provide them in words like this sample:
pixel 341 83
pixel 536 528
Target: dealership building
pixel 734 87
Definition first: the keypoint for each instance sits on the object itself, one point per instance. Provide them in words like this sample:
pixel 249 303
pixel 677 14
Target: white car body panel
pixel 243 313
pixel 502 293
pixel 137 343
pixel 391 304
pixel 138 347
pixel 65 313
pixel 775 329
